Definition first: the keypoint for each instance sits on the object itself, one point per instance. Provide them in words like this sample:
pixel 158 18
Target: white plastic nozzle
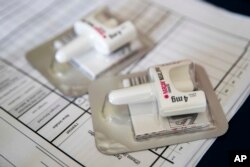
pixel 74 48
pixel 135 94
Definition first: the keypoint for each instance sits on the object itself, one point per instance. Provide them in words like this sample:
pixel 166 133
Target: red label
pixel 164 89
pixel 100 31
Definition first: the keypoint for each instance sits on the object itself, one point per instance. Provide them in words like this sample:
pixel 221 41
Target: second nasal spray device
pixel 101 44
pixel 172 86
pixel 98 31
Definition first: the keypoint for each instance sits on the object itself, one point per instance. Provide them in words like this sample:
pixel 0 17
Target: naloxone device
pixel 101 44
pixel 167 104
pixel 99 31
pixel 172 86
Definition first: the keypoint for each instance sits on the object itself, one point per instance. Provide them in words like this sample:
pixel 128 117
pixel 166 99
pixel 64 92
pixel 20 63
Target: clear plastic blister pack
pixel 98 45
pixel 168 104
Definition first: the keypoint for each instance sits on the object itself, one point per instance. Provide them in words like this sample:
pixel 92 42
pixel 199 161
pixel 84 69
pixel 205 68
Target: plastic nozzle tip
pixel 114 98
pixel 61 57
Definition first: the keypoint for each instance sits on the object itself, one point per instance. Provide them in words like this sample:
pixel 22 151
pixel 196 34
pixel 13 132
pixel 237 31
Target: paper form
pixel 180 30
pixel 40 152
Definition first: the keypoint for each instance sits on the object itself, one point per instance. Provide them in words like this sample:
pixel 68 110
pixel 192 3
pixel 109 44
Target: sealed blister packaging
pixel 168 104
pixel 99 45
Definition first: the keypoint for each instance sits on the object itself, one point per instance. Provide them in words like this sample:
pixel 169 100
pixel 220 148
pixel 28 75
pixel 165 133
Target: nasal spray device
pixel 98 31
pixel 101 44
pixel 172 86
pixel 167 104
